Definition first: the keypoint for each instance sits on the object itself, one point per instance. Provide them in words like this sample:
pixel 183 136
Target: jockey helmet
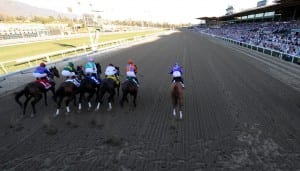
pixel 130 61
pixel 42 64
pixel 71 64
pixel 91 59
pixel 176 65
pixel 110 64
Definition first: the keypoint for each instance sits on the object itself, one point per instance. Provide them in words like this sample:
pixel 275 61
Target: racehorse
pixel 177 96
pixel 129 87
pixel 87 85
pixel 36 90
pixel 68 90
pixel 108 85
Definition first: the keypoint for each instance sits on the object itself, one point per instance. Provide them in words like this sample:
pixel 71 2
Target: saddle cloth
pixel 117 81
pixel 45 83
pixel 74 81
pixel 133 80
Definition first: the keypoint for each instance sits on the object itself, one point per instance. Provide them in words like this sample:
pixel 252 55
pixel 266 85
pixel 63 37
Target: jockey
pixel 176 72
pixel 69 70
pixel 91 70
pixel 41 73
pixel 112 72
pixel 70 73
pixel 131 71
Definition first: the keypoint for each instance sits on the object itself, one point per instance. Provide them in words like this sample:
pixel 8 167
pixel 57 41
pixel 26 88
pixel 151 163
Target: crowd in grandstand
pixel 281 36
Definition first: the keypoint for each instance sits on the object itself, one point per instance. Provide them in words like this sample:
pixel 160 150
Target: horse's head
pixel 80 71
pixel 54 71
pixel 98 66
pixel 118 70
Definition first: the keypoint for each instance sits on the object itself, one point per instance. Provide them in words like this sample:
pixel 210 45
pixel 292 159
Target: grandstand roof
pixel 280 5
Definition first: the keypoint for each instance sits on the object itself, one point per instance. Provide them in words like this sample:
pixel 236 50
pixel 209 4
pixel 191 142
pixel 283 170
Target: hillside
pixel 15 8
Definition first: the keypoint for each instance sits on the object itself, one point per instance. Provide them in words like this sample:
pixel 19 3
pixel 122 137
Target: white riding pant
pixel 39 75
pixel 176 74
pixel 90 70
pixel 67 73
pixel 130 74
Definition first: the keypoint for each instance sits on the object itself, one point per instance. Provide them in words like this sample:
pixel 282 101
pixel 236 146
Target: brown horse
pixel 68 91
pixel 36 90
pixel 129 87
pixel 177 96
pixel 108 85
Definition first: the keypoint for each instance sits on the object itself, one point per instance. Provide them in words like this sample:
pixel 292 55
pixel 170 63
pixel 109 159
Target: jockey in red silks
pixel 176 72
pixel 41 73
pixel 131 71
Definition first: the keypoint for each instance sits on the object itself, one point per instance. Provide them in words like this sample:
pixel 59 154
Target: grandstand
pixel 30 30
pixel 275 27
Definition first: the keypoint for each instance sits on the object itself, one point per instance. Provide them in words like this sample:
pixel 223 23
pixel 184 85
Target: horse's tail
pixel 18 95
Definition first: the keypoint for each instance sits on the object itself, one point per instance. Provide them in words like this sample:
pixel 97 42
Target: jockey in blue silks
pixel 41 73
pixel 176 72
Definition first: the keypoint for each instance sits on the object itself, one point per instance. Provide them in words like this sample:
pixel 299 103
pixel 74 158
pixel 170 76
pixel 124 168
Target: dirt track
pixel 236 116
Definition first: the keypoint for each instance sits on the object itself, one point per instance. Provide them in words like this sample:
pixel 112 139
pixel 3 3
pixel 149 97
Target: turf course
pixel 10 53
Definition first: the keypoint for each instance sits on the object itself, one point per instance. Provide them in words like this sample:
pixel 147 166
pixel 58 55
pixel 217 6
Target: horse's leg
pixel 118 90
pixel 110 99
pixel 45 97
pixel 25 104
pixel 74 99
pixel 91 94
pixel 134 99
pixel 123 98
pixel 36 99
pixel 60 99
pixel 97 98
pixel 174 102
pixel 81 94
pixel 100 99
pixel 180 99
pixel 67 105
pixel 53 90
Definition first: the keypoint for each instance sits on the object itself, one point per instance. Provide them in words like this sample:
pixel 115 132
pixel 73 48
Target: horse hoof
pixel 109 109
pixel 32 115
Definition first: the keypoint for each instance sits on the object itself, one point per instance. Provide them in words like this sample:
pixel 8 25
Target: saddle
pixel 45 83
pixel 133 79
pixel 74 81
pixel 93 78
pixel 116 80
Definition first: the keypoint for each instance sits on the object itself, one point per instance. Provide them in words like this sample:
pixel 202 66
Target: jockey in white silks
pixel 112 72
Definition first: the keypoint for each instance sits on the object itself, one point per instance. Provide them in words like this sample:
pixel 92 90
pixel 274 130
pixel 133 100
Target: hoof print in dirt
pixel 51 130
pixel 114 140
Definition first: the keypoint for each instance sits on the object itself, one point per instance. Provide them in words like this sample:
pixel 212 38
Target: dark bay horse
pixel 177 96
pixel 108 85
pixel 68 91
pixel 89 86
pixel 129 87
pixel 36 90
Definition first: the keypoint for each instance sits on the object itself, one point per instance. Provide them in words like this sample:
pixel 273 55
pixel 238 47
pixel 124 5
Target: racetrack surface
pixel 239 114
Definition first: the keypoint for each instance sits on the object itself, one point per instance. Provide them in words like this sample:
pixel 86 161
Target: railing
pixel 275 53
pixel 13 66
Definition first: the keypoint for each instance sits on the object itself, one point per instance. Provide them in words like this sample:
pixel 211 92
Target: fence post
pixel 3 68
pixel 48 58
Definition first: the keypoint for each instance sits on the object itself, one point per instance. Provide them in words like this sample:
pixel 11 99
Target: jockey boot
pixel 182 85
pixel 96 80
pixel 137 82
